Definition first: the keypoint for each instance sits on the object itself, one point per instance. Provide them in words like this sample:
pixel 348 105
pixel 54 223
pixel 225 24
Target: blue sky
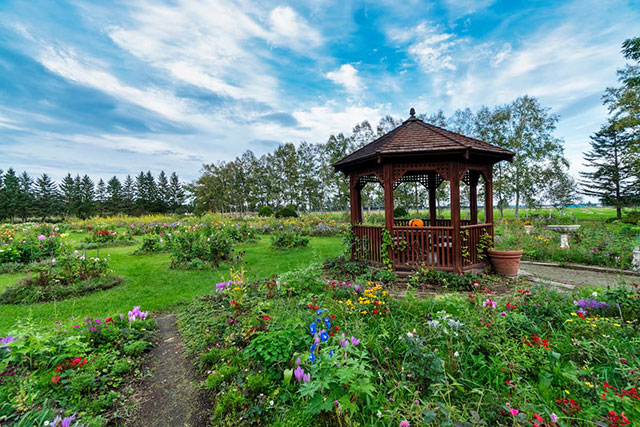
pixel 114 87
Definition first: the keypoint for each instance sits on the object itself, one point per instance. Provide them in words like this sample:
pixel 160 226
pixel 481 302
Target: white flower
pixel 456 354
pixel 379 414
pixel 271 402
pixel 409 334
pixel 595 294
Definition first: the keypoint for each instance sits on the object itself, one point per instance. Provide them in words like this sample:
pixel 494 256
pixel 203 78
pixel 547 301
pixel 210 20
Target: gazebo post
pixel 387 175
pixel 355 196
pixel 473 196
pixel 488 198
pixel 454 179
pixel 433 213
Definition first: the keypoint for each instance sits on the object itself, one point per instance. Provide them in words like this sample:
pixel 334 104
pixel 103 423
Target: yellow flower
pixel 589 384
pixel 617 324
pixel 569 320
pixel 364 312
pixel 567 391
pixel 573 314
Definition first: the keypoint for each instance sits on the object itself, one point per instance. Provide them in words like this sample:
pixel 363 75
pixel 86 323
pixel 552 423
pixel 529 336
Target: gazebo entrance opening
pixel 417 152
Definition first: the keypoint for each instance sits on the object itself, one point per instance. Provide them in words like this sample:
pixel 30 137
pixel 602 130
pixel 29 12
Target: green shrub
pixel 400 212
pixel 265 211
pixel 135 348
pixel 287 212
pixel 288 239
pixel 430 276
pixel 223 373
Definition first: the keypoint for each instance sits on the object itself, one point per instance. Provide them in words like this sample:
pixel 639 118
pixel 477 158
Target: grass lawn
pixel 150 283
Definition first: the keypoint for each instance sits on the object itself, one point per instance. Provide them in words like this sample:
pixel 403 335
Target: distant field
pixel 582 213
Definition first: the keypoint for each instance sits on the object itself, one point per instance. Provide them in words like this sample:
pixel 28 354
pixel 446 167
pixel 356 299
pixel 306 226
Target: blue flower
pixel 313 328
pixel 319 312
pixel 330 353
pixel 312 357
pixel 313 348
pixel 328 323
pixel 324 336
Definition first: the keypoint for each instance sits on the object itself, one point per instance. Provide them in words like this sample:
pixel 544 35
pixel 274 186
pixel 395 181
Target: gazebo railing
pixel 404 222
pixel 421 246
pixel 368 242
pixel 471 236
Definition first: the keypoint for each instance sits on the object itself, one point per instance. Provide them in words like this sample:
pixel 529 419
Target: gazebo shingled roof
pixel 426 154
pixel 417 137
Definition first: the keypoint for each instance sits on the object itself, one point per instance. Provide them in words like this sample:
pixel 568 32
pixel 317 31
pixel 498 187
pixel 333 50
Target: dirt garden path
pixel 170 396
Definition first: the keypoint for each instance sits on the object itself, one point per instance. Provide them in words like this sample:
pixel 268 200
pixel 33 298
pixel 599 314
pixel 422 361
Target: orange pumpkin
pixel 416 223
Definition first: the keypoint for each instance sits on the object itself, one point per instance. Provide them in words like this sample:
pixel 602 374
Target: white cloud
pixel 291 29
pixel 428 45
pixel 214 44
pixel 347 77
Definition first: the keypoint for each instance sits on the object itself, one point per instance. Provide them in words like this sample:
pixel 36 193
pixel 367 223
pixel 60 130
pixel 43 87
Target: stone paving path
pixel 575 278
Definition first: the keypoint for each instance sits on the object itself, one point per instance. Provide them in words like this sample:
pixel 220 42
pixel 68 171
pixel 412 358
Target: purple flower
pixel 137 314
pixel 343 343
pixel 7 339
pixel 221 286
pixel 503 314
pixel 42 238
pixel 591 304
pixel 405 423
pixel 298 361
pixel 355 341
pixel 306 378
pixel 299 374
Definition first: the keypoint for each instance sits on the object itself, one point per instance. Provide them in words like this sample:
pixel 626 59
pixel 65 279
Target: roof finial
pixel 412 112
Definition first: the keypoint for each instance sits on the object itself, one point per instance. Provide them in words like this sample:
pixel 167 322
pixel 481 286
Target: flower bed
pixel 72 371
pixel 70 275
pixel 297 350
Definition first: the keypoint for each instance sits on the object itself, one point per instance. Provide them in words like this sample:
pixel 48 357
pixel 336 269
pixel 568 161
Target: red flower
pixel 108 319
pixel 266 318
pixel 337 328
pixel 538 418
pixel 55 379
pixel 233 303
pixel 59 368
pixel 333 316
pixel 331 333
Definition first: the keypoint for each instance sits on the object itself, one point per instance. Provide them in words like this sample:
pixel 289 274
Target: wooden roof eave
pixel 465 153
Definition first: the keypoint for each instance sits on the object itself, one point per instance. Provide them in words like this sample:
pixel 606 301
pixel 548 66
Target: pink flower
pixel 514 412
pixel 405 423
pixel 554 417
pixel 42 238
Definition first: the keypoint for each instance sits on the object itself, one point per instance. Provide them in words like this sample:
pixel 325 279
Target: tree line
pixel 614 157
pixel 303 175
pixel 22 197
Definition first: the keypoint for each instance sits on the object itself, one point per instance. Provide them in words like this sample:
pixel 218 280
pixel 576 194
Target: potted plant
pixel 505 262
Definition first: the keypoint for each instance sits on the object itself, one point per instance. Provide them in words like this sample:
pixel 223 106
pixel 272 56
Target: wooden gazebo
pixel 420 152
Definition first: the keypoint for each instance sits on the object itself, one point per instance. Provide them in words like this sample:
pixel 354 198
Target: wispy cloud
pixel 428 44
pixel 347 77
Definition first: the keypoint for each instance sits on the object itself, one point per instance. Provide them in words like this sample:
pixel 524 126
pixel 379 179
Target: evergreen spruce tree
pixel 128 195
pixel 87 197
pixel 100 197
pixel 46 197
pixel 163 192
pixel 10 195
pixel 114 197
pixel 25 198
pixel 69 196
pixel 177 194
pixel 612 180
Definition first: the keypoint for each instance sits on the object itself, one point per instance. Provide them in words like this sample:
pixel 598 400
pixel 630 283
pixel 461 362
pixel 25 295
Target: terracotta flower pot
pixel 505 262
